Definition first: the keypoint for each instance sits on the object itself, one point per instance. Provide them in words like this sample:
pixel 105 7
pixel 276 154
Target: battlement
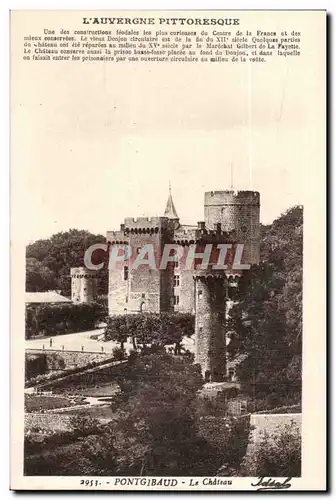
pixel 207 277
pixel 185 234
pixel 204 235
pixel 82 272
pixel 145 223
pixel 116 237
pixel 229 197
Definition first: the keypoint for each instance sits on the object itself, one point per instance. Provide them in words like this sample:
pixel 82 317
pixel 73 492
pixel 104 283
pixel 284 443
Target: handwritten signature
pixel 272 484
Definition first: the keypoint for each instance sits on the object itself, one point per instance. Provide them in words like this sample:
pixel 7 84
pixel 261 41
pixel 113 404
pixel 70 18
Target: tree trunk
pixel 143 466
pixel 177 349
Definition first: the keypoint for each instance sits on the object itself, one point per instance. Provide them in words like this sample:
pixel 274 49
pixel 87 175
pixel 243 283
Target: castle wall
pixel 185 291
pixel 67 360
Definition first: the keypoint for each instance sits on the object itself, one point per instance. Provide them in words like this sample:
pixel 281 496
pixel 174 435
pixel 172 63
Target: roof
pixel 170 210
pixel 42 297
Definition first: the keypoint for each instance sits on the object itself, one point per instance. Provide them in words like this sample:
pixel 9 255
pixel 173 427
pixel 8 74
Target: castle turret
pixel 170 211
pixel 210 292
pixel 83 285
pixel 237 212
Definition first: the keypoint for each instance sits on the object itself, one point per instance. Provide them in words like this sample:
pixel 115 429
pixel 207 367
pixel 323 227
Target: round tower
pixel 83 285
pixel 210 298
pixel 238 212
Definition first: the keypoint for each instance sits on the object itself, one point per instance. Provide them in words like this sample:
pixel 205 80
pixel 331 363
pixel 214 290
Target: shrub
pixel 84 426
pixel 277 455
pixel 118 354
pixel 229 437
pixel 36 364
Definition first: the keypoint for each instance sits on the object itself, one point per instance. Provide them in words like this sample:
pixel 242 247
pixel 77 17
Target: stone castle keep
pixel 229 217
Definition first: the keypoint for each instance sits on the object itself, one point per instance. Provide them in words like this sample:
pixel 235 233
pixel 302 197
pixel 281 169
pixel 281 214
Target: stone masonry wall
pixel 210 328
pixel 65 360
pixel 49 422
pixel 239 212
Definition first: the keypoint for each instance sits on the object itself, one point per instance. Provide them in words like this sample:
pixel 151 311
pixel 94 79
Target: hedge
pixel 58 319
pixel 55 375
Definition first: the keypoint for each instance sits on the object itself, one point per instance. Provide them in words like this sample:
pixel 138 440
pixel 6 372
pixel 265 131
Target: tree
pixel 267 320
pixel 39 278
pixel 58 254
pixel 156 415
pixel 158 329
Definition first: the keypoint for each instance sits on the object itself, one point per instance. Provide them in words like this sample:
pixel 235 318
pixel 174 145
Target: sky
pixel 94 143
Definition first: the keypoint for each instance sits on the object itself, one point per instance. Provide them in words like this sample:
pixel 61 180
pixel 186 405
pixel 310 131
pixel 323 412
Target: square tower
pixel 143 288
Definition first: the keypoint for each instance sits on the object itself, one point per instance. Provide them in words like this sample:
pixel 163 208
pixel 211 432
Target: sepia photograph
pixel 168 190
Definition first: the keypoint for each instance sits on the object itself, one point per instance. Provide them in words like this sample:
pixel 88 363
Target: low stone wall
pixel 47 422
pixel 270 424
pixel 50 422
pixel 261 423
pixel 66 360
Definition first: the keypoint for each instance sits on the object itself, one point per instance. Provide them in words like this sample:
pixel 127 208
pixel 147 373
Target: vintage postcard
pixel 168 198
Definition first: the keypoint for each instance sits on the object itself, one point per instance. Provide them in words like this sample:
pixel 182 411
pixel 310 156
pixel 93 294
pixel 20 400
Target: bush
pixel 118 354
pixel 229 436
pixel 277 455
pixel 36 364
pixel 58 319
pixel 84 426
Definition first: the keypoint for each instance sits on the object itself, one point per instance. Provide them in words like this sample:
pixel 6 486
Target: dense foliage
pixel 268 318
pixel 156 429
pixel 151 329
pixel 48 261
pixel 35 364
pixel 156 425
pixel 277 455
pixel 57 319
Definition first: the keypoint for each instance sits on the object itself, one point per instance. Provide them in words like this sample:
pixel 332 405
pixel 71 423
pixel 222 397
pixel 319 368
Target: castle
pixel 229 217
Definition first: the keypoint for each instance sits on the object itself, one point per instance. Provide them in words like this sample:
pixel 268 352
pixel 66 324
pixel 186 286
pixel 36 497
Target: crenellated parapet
pixel 238 214
pixel 146 223
pixel 83 285
pixel 209 277
pixel 230 197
